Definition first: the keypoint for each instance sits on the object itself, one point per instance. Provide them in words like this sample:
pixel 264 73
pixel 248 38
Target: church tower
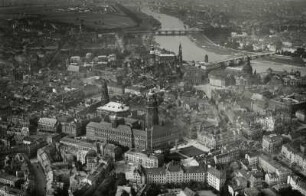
pixel 104 93
pixel 180 55
pixel 152 56
pixel 152 110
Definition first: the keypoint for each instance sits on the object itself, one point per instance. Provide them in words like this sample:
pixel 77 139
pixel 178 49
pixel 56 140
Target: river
pixel 191 51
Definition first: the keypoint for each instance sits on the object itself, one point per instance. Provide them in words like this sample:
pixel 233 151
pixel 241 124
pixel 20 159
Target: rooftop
pixel 217 173
pixel 114 107
pixel 47 121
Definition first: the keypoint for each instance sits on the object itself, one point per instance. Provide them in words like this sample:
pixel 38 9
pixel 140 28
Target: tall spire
pixel 152 56
pixel 104 93
pixel 180 55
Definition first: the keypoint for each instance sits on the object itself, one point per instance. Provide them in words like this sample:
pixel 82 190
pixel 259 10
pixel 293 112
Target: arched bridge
pixel 167 32
pixel 238 59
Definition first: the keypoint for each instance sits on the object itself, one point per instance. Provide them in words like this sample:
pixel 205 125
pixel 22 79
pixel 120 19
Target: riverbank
pixel 203 41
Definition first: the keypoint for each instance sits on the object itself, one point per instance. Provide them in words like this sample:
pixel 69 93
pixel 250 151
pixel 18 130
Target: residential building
pixel 8 179
pixel 216 178
pixel 219 78
pixel 147 160
pixel 227 157
pixel 237 185
pixel 9 191
pixel 271 166
pixel 107 149
pixel 272 143
pixel 297 184
pixel 48 125
pixel 194 75
pixel 256 179
pixel 288 104
pixel 78 148
pixel 267 122
pixel 294 155
pixel 251 192
pixel 72 128
pixel 252 158
pixel 19 121
pixel 301 115
pixel 215 137
pixel 138 175
pixel 271 179
pixel 175 172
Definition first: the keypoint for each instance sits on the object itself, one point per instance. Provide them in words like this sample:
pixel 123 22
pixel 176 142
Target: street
pixel 40 180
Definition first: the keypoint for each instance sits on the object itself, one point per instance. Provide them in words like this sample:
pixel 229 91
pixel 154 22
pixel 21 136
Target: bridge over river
pixel 168 32
pixel 237 59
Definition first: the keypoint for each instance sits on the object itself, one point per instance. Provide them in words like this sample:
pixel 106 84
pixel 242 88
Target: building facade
pixel 272 143
pixel 271 166
pixel 146 160
pixel 294 156
pixel 48 125
pixel 215 178
pixel 175 173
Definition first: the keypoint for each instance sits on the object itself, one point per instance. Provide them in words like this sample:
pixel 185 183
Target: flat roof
pixel 114 107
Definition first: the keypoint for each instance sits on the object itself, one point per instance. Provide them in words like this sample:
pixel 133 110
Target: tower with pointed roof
pixel 180 55
pixel 152 59
pixel 104 93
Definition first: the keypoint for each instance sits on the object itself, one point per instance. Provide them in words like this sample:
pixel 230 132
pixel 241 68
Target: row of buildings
pixel 176 173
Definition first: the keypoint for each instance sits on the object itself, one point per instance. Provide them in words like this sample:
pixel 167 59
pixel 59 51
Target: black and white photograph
pixel 152 97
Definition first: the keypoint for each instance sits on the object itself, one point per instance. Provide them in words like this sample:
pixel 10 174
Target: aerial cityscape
pixel 153 98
